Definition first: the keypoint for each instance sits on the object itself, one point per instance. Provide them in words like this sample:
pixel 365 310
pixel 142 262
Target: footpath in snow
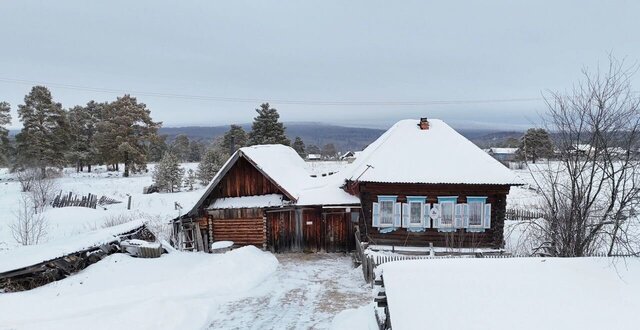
pixel 306 292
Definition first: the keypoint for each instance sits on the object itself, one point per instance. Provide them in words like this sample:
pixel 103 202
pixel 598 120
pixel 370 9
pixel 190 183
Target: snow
pixel 282 164
pixel 516 293
pixel 407 154
pixel 157 208
pixel 270 200
pixel 362 318
pixel 221 245
pixel 508 151
pixel 30 255
pixel 180 290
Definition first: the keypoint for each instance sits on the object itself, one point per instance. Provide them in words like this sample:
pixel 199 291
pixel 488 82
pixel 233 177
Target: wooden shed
pixel 264 196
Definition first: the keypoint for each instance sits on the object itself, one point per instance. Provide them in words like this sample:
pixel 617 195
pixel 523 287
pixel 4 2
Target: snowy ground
pixel 306 292
pixel 64 222
pixel 180 290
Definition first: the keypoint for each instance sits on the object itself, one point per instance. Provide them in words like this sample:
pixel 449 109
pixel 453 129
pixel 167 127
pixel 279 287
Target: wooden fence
pixel 90 200
pixel 522 215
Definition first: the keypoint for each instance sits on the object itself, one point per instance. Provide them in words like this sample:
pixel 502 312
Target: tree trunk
pixel 126 164
pixel 89 168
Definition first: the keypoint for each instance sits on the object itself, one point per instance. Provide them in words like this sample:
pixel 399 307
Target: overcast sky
pixel 355 63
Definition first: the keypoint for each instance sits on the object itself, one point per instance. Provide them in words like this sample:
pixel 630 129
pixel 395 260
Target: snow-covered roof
pixel 271 200
pixel 407 154
pixel 34 254
pixel 507 151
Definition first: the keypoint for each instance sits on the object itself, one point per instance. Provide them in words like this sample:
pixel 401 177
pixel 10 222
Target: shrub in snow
pixel 168 174
pixel 29 227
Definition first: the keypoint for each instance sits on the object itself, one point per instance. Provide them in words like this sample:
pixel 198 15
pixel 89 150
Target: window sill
pixel 447 230
pixel 386 230
pixel 475 230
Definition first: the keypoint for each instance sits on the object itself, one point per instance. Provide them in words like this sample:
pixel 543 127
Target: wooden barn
pixel 419 184
pixel 423 183
pixel 265 196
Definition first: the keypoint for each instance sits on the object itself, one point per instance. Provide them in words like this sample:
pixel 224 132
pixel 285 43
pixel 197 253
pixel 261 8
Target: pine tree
pixel 190 179
pixel 180 147
pixel 43 139
pixel 83 123
pixel 535 144
pixel 5 119
pixel 313 149
pixel 196 149
pixel 168 174
pixel 266 129
pixel 126 134
pixel 210 165
pixel 298 146
pixel 234 139
pixel 157 148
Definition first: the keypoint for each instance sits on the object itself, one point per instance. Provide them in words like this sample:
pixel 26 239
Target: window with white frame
pixel 386 211
pixel 447 213
pixel 415 213
pixel 476 207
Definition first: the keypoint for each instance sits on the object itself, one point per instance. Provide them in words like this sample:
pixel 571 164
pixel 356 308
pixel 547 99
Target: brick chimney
pixel 424 124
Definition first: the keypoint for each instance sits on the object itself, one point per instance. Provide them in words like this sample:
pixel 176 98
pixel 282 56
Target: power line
pixel 258 100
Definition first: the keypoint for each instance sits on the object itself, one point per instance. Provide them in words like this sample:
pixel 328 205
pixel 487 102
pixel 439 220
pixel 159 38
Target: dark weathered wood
pixel 492 237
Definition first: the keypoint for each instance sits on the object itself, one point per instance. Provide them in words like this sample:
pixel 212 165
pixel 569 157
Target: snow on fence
pixel 90 200
pixel 523 215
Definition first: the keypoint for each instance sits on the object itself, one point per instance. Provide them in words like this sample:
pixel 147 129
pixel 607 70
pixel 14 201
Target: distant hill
pixel 344 138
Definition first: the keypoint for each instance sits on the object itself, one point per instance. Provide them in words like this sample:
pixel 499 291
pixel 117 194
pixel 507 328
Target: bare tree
pixel 26 178
pixel 590 196
pixel 42 192
pixel 29 227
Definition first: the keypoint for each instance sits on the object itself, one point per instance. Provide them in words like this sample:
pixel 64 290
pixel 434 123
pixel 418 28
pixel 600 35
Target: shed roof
pixel 439 154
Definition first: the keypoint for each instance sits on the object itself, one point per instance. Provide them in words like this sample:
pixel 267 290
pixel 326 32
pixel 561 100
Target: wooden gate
pixel 311 230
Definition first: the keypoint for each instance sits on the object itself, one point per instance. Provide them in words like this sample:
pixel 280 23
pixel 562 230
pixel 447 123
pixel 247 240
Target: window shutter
pixel 458 216
pixel 487 216
pixel 426 219
pixel 397 216
pixel 436 218
pixel 466 215
pixel 376 215
pixel 405 215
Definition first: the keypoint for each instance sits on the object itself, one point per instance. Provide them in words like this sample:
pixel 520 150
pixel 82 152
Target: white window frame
pixel 477 200
pixel 420 200
pixel 387 199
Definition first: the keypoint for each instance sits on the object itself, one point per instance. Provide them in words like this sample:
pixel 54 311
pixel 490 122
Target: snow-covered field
pixel 68 221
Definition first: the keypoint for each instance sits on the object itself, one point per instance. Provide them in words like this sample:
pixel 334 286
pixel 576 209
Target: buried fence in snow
pixel 90 200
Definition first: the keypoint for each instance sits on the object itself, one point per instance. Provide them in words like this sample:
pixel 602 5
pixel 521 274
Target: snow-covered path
pixel 306 292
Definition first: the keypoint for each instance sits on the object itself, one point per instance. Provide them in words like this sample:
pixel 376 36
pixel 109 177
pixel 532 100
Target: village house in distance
pixel 419 184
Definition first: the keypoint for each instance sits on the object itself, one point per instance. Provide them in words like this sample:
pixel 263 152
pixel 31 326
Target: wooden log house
pixel 419 184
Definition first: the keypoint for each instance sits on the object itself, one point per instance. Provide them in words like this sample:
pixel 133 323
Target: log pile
pixel 33 276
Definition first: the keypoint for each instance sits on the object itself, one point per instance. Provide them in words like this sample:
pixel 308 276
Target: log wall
pixel 490 238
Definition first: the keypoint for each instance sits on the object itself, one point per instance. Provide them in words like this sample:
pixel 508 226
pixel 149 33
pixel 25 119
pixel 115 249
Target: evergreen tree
pixel 180 147
pixel 234 139
pixel 190 179
pixel 157 148
pixel 168 174
pixel 210 165
pixel 266 129
pixel 5 119
pixel 83 123
pixel 43 139
pixel 535 144
pixel 313 149
pixel 329 151
pixel 298 146
pixel 196 149
pixel 126 134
